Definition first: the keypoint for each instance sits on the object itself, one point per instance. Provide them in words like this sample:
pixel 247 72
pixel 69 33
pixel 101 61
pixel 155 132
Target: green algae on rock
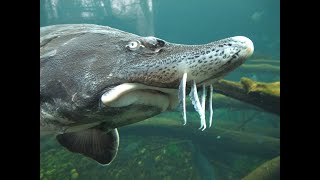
pixel 263 95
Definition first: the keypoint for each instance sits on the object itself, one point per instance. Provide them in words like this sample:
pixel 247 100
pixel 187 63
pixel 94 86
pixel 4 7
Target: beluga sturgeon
pixel 95 79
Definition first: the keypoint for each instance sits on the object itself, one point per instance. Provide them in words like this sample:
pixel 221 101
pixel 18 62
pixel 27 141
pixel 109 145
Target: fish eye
pixel 160 42
pixel 133 45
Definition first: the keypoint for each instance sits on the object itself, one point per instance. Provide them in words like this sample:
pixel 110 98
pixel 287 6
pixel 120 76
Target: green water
pixel 230 149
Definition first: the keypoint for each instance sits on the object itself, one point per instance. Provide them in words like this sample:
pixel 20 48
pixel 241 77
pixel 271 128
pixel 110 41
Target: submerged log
pixel 192 117
pixel 264 61
pixel 259 68
pixel 222 101
pixel 211 138
pixel 262 95
pixel 269 170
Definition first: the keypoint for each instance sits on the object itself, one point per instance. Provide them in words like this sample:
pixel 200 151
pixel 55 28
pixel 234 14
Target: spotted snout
pixel 218 58
pixel 246 43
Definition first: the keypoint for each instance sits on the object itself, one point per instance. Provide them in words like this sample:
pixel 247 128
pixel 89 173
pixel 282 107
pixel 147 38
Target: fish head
pixel 154 69
pixel 155 62
pixel 93 74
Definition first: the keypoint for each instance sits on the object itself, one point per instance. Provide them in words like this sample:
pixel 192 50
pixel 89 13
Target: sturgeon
pixel 95 79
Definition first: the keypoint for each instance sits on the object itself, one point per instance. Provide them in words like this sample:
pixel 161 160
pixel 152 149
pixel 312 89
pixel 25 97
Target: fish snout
pixel 247 43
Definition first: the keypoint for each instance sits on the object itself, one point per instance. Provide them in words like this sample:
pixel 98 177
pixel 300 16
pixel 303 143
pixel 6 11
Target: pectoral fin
pixel 94 143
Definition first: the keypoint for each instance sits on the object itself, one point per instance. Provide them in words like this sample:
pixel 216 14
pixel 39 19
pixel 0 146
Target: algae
pixel 263 95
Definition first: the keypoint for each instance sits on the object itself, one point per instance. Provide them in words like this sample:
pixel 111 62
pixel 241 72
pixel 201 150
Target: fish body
pixel 94 79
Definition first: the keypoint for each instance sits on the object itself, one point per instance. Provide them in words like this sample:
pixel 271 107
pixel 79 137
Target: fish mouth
pixel 135 93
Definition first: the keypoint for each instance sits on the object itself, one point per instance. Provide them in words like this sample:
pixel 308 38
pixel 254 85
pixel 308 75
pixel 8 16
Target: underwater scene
pixel 216 121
